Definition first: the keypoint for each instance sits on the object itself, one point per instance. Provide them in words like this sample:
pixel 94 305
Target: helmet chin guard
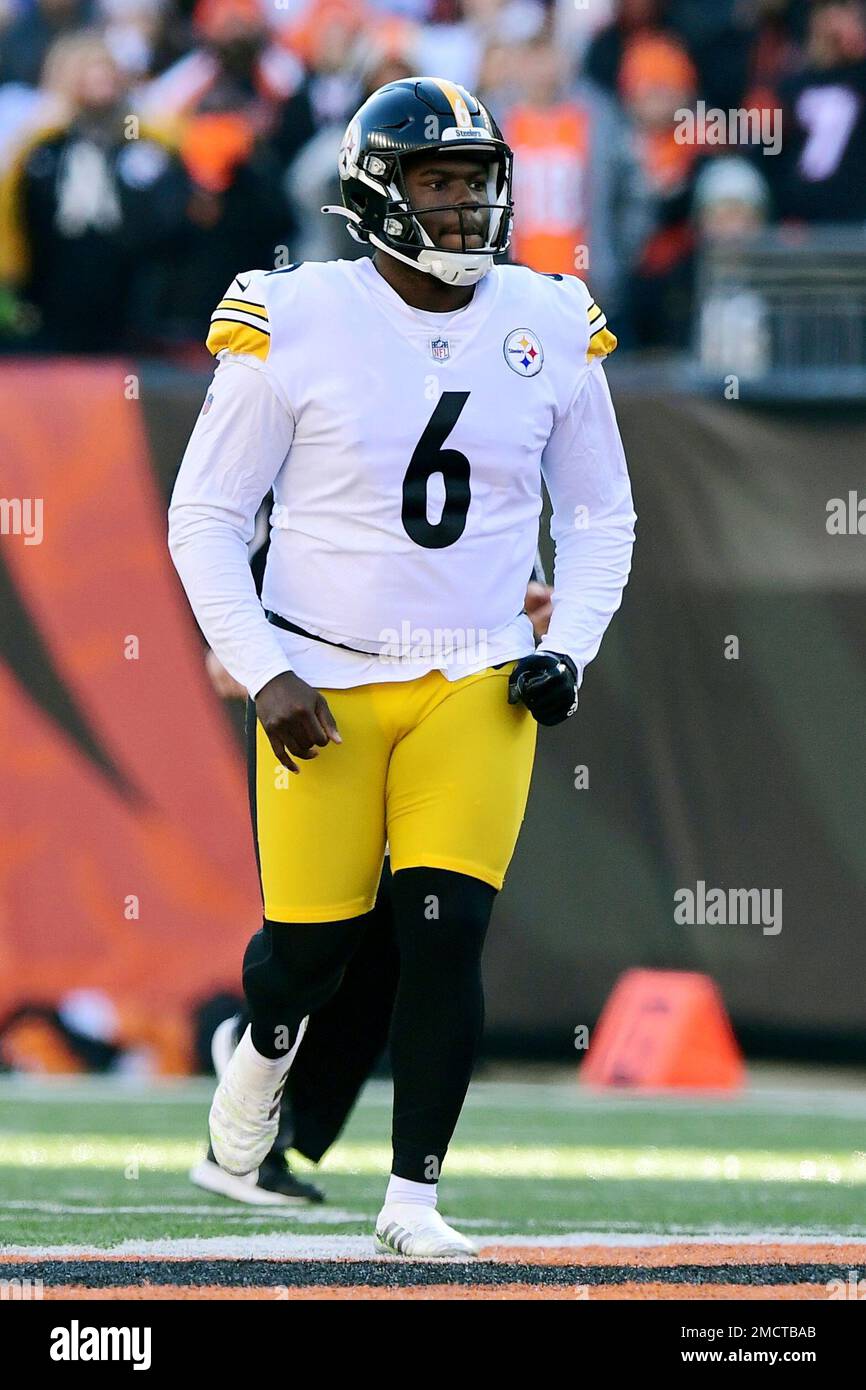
pixel 424 115
pixel 454 267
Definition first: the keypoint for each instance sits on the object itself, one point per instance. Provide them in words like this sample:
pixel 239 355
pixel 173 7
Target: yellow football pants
pixel 439 769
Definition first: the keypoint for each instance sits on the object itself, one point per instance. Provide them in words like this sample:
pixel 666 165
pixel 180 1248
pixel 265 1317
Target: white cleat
pixel 403 1228
pixel 212 1178
pixel 245 1113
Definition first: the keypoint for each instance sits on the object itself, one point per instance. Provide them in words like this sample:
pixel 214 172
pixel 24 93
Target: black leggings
pixel 440 921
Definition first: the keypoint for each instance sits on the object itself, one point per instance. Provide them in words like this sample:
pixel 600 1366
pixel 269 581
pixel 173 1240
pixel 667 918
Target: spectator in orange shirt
pixel 582 207
pixel 657 79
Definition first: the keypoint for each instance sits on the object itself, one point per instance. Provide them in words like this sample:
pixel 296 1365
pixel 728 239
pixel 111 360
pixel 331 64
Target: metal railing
pixel 785 313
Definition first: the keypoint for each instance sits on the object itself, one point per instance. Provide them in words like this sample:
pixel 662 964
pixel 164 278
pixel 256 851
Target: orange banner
pixel 126 861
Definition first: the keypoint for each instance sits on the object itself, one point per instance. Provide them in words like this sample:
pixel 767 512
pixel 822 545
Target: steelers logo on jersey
pixel 523 352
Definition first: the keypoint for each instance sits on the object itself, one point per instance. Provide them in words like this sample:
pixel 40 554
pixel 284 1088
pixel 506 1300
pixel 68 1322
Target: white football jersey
pixel 406 451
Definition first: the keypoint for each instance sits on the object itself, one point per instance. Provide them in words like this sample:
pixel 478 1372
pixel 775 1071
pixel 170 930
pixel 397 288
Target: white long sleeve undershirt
pixel 235 452
pixel 593 520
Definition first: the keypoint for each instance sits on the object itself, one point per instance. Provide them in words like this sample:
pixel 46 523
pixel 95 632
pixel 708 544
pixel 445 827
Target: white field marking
pixel 639 1240
pixel 301 1216
pixel 260 1247
pixel 233 1219
pixel 623 1233
pixel 666 1229
pixel 759 1097
pixel 330 1216
pixel 286 1247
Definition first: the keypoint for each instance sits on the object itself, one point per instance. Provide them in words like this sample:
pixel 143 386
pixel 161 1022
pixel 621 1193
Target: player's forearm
pixel 593 521
pixel 237 447
pixel 211 559
pixel 590 574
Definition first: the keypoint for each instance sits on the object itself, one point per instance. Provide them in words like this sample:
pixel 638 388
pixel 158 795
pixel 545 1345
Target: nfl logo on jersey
pixel 439 350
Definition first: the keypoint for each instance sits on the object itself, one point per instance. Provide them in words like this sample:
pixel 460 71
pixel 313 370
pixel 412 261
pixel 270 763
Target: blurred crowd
pixel 150 149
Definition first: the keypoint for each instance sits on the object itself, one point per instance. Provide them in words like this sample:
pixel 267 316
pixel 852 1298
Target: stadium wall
pixel 125 851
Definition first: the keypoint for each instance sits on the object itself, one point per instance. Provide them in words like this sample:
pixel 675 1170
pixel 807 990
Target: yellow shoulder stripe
pixel 601 344
pixel 601 341
pixel 238 337
pixel 258 311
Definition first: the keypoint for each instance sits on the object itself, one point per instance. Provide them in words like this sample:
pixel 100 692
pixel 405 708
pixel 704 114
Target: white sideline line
pixel 637 1241
pixel 281 1247
pixel 566 1095
pixel 331 1216
pixel 312 1216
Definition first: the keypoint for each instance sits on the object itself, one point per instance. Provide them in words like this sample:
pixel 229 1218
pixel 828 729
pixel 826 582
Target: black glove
pixel 547 684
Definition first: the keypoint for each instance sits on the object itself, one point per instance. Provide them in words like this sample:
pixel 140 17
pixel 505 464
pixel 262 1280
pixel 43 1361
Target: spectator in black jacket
pixel 819 176
pixel 100 203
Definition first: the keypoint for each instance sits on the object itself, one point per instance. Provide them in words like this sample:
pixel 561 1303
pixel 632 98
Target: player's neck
pixel 419 290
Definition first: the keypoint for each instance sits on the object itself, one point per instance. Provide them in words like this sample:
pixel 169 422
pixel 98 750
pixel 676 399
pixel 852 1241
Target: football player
pixel 345 1038
pixel 405 408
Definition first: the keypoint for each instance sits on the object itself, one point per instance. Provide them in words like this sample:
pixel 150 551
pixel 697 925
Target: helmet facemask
pixel 405 232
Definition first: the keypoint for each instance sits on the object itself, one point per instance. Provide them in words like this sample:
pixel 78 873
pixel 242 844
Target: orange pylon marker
pixel 664 1029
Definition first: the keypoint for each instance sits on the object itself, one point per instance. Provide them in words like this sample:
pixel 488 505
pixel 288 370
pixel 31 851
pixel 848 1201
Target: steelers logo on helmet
pixel 523 352
pixel 348 161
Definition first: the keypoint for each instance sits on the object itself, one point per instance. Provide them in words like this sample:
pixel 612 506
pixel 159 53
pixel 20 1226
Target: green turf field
pixel 97 1162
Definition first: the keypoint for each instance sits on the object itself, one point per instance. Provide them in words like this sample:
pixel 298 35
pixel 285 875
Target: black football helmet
pixel 414 116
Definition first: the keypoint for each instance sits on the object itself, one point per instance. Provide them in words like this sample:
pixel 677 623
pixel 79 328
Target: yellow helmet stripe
pixel 456 101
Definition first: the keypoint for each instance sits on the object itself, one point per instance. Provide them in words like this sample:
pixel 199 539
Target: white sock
pixel 419 1194
pixel 272 1066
